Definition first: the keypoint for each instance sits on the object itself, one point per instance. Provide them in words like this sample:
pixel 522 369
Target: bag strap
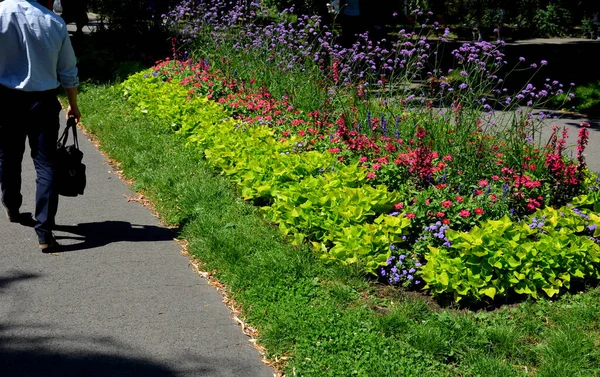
pixel 65 135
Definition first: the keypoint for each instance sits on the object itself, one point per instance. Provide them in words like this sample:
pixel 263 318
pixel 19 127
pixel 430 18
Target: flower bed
pixel 425 177
pixel 428 232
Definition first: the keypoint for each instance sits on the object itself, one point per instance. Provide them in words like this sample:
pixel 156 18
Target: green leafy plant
pixel 553 21
pixel 501 257
pixel 310 195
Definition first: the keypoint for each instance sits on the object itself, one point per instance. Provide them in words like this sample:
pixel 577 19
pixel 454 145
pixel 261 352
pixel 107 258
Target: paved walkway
pixel 120 301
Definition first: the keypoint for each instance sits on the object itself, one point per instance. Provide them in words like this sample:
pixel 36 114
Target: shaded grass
pixel 586 100
pixel 330 320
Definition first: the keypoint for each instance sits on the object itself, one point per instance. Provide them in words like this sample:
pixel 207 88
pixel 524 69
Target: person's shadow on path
pixel 93 235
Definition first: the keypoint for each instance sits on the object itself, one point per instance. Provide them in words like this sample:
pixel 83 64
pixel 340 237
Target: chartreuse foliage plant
pixel 326 320
pixel 311 195
pixel 501 257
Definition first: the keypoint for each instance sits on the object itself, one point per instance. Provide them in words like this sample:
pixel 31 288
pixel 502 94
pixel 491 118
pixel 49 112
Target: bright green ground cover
pixel 329 321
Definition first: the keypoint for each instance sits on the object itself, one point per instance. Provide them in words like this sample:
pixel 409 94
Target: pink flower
pixel 459 199
pixel 363 159
pixel 410 215
pixel 376 166
pixel 370 175
pixel 398 206
pixel 483 183
pixel 478 211
pixel 447 204
pixel 464 213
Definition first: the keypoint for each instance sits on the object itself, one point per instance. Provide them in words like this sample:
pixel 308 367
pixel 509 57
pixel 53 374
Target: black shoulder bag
pixel 70 171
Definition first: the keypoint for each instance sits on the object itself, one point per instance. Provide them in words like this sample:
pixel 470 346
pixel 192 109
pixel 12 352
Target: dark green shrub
pixel 553 21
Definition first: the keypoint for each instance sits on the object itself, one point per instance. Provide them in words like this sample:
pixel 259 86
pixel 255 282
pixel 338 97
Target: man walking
pixel 36 57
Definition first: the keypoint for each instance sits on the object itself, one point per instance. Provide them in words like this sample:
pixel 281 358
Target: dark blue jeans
pixel 32 116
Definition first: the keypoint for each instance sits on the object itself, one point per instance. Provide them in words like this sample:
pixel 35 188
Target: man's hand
pixel 73 109
pixel 74 112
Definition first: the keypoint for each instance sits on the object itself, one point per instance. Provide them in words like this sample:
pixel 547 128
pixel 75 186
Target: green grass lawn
pixel 330 320
pixel 586 100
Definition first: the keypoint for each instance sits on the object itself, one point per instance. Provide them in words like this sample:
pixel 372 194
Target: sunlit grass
pixel 329 320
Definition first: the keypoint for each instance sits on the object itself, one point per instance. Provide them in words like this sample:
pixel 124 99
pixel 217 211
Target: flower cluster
pixel 438 231
pixel 537 224
pixel 400 269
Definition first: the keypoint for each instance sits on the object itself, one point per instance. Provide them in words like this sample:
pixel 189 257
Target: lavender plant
pixel 300 57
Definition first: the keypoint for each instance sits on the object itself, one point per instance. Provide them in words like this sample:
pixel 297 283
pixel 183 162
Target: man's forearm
pixel 72 96
pixel 73 110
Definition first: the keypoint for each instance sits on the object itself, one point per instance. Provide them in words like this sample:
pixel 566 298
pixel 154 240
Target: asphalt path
pixel 120 300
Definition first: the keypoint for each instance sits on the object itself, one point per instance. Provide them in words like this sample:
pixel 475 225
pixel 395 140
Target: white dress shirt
pixel 35 50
